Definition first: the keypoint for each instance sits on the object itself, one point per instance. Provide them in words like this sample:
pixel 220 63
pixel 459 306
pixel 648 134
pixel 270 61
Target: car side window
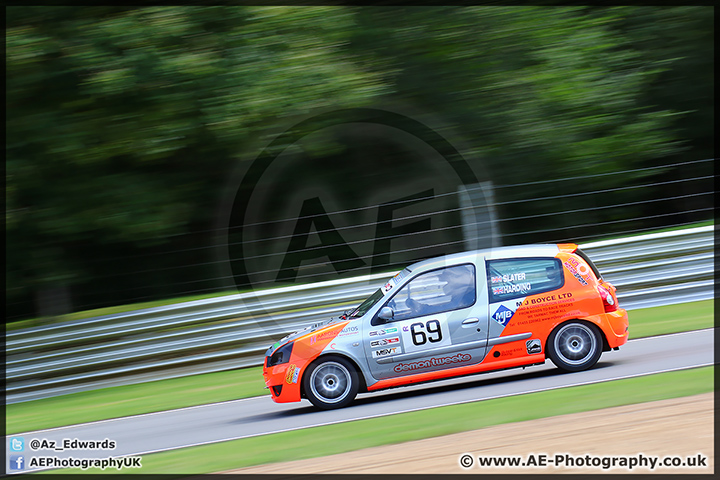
pixel 441 290
pixel 519 277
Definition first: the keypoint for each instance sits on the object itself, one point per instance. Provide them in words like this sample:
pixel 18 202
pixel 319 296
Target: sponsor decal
pixel 332 346
pixel 349 330
pixel 392 282
pixel 533 346
pixel 507 278
pixel 510 277
pixel 383 331
pixel 512 288
pixel 549 298
pixel 513 352
pixel 291 373
pixel 503 315
pixel 580 272
pixel 432 362
pixel 384 341
pixel 386 351
pixel 546 307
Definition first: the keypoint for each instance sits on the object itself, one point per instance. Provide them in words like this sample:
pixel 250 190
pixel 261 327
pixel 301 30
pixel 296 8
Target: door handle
pixel 470 321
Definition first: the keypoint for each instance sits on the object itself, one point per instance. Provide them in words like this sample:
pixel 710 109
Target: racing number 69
pixel 418 335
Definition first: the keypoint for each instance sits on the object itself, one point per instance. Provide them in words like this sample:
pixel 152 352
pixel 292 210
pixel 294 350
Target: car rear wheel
pixel 575 346
pixel 331 383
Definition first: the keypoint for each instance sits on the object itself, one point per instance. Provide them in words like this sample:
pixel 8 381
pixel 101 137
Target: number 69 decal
pixel 434 332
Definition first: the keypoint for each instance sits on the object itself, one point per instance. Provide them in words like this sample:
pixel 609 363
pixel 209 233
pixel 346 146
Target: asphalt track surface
pixel 205 424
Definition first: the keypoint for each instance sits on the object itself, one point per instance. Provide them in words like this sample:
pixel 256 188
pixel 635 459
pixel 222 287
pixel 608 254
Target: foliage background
pixel 123 123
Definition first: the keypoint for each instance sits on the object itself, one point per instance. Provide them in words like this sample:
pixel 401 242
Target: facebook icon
pixel 17 462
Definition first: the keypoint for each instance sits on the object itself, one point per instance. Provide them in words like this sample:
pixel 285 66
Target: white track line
pixel 378 415
pixel 97 422
pixel 424 408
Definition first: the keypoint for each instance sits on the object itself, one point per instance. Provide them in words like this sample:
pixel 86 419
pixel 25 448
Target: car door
pixel 510 282
pixel 439 321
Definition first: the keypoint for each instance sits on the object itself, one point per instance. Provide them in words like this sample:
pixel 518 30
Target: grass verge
pixel 161 395
pixel 127 400
pixel 404 427
pixel 683 317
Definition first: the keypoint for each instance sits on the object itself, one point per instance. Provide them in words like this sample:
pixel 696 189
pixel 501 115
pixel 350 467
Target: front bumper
pixel 284 382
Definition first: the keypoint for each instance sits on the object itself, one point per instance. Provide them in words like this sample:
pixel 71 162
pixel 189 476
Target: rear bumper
pixel 618 332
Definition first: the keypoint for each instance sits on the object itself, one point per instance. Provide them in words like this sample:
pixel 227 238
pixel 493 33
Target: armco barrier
pixel 234 331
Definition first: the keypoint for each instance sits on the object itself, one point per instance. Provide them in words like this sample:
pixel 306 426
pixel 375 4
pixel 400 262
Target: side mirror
pixel 386 313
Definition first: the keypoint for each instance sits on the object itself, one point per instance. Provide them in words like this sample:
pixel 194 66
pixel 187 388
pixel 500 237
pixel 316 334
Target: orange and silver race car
pixel 455 315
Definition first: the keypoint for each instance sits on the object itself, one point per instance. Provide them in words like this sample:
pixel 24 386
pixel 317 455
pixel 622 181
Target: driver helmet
pixel 457 280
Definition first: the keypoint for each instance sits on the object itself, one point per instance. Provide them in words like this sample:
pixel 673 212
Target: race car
pixel 455 315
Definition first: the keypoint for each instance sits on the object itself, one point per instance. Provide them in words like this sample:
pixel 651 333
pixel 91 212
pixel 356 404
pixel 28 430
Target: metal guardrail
pixel 234 331
pixel 659 268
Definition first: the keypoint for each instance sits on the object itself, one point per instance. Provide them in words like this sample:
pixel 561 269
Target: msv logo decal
pixel 503 315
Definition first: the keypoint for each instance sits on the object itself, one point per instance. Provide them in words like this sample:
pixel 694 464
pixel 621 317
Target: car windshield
pixel 367 304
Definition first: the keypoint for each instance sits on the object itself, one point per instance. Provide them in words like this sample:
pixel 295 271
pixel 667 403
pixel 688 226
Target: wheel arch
pixel 605 344
pixel 329 355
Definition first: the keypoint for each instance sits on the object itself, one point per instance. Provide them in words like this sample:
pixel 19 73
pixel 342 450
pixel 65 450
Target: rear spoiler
pixel 567 247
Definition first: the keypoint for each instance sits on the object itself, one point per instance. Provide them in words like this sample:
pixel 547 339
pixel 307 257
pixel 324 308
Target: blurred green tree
pixel 543 93
pixel 122 123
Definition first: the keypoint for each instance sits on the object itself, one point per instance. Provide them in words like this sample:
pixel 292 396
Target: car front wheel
pixel 575 346
pixel 331 383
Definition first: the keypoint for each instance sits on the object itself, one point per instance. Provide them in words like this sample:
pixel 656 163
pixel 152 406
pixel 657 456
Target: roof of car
pixel 536 250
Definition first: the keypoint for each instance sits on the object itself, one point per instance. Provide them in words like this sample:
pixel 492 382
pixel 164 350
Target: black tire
pixel 331 382
pixel 574 346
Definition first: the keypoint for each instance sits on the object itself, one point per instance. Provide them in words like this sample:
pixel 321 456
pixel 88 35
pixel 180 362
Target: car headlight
pixel 281 355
